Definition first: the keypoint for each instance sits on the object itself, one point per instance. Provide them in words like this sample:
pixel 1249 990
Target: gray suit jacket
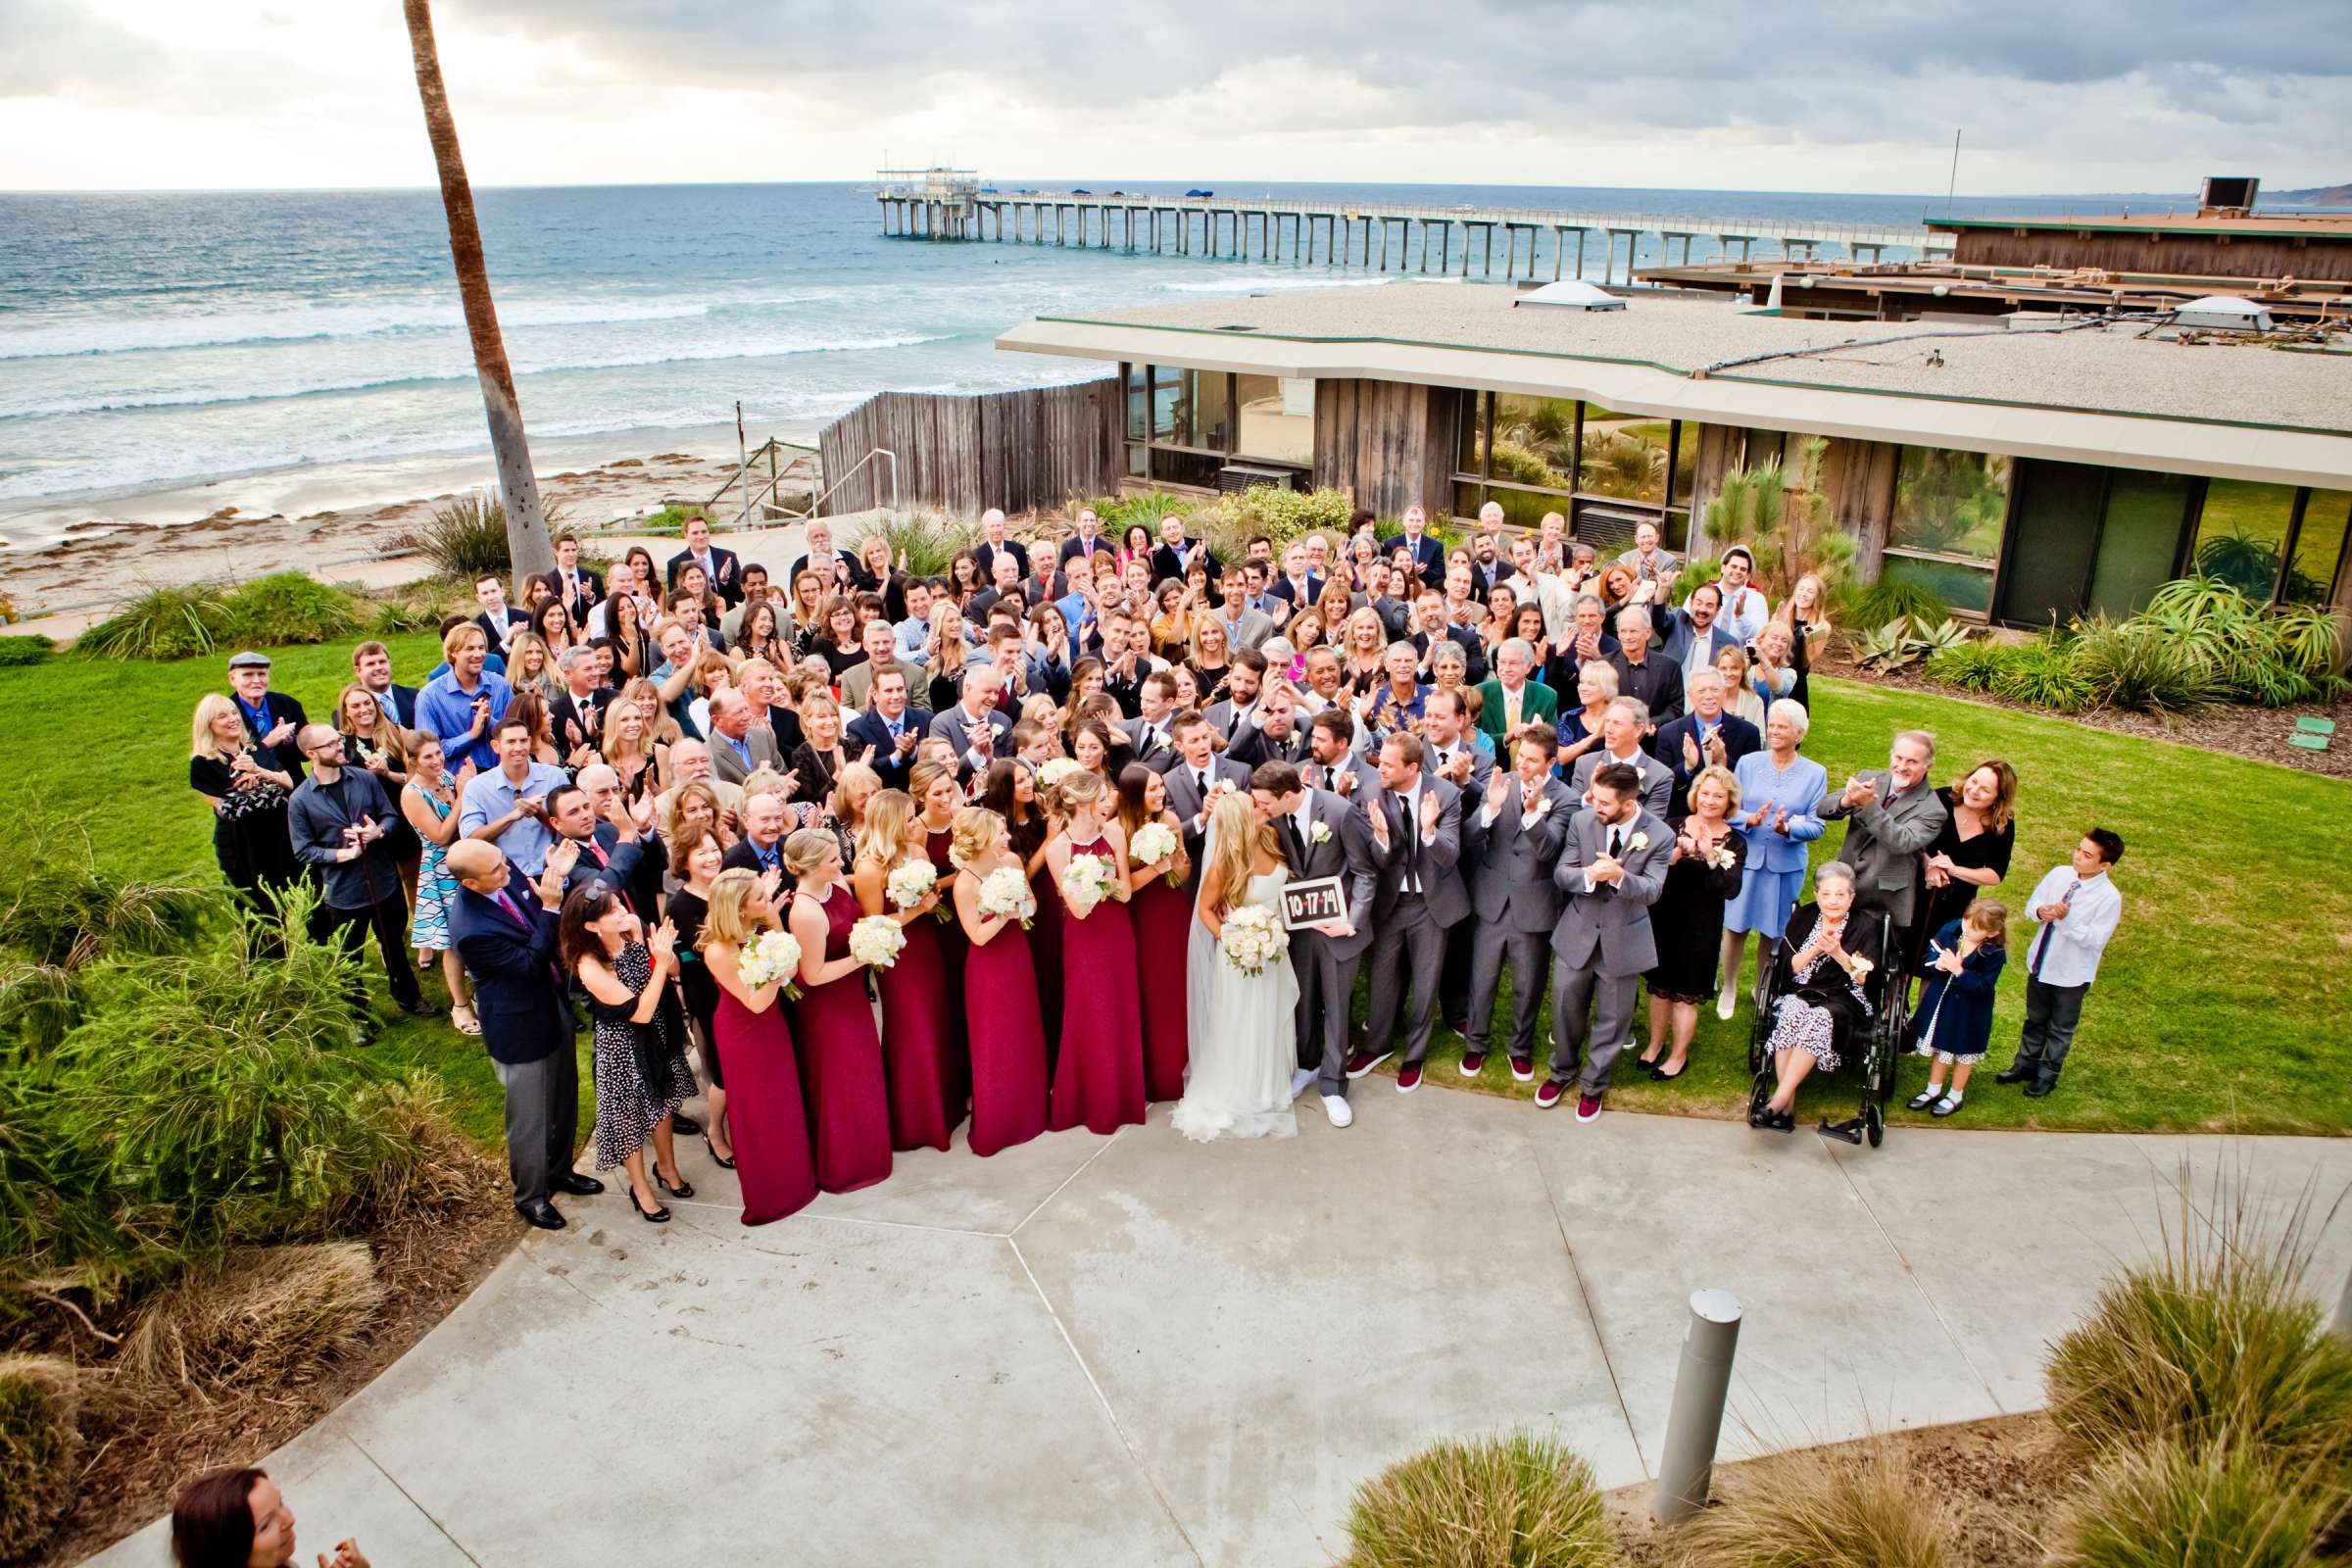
pixel 1184 796
pixel 1161 755
pixel 1442 885
pixel 729 766
pixel 1511 861
pixel 1346 854
pixel 1608 928
pixel 1221 717
pixel 1885 841
pixel 1657 779
pixel 1482 769
pixel 1367 776
pixel 857 684
pixel 1255 627
pixel 951 726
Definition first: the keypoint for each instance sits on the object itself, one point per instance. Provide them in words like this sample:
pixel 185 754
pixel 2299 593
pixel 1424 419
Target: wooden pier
pixel 953 204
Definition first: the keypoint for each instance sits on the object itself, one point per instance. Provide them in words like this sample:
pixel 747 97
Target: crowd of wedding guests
pixel 1512 754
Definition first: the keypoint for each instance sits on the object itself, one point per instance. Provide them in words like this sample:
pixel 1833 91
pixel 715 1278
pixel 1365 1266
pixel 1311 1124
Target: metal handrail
pixel 743 469
pixel 848 474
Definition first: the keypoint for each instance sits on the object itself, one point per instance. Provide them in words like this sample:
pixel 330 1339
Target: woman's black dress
pixel 250 837
pixel 687 911
pixel 1811 1003
pixel 1688 921
pixel 641 1071
pixel 1937 906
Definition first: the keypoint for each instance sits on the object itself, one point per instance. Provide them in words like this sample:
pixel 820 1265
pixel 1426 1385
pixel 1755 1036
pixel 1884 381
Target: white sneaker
pixel 1300 1079
pixel 1336 1108
pixel 1727 1002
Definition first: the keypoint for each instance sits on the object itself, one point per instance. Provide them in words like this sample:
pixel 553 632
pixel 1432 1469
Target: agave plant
pixel 1889 647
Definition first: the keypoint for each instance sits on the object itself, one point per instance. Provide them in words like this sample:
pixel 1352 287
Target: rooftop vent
pixel 1572 294
pixel 2226 312
pixel 2227 195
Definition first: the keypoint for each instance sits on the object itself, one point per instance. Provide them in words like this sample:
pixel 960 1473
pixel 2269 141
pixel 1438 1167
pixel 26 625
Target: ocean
pixel 157 340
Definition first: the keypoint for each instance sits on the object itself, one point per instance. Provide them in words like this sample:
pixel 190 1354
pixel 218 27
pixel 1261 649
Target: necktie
pixel 603 861
pixel 1616 844
pixel 1409 840
pixel 2041 943
pixel 1510 709
pixel 1201 782
pixel 1293 840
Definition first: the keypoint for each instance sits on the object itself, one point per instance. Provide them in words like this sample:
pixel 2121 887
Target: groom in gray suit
pixel 1321 837
pixel 1613 869
pixel 1515 838
pixel 1416 823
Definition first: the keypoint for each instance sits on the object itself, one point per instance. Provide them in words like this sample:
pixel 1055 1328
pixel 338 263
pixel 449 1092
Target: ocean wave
pixel 227 329
pixel 1260 285
pixel 523 367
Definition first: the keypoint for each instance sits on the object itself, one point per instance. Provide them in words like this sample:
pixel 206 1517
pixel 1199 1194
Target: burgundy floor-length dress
pixel 922 1043
pixel 1007 1036
pixel 1163 915
pixel 764 1109
pixel 841 1066
pixel 1044 952
pixel 1099 1075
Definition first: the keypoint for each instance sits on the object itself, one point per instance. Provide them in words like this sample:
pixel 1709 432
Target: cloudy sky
pixel 2091 95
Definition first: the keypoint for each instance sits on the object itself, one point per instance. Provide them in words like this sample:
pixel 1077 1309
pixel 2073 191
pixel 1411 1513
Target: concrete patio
pixel 1137 1350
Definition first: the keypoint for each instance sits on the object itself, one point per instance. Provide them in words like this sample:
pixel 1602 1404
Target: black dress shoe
pixel 654 1216
pixel 571 1181
pixel 683 1125
pixel 542 1214
pixel 685 1188
pixel 2039 1088
pixel 723 1165
pixel 2014 1073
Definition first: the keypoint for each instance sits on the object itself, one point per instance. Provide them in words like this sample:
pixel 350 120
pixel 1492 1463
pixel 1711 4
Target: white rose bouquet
pixel 1004 892
pixel 1253 938
pixel 910 882
pixel 1153 844
pixel 1087 882
pixel 1055 772
pixel 876 941
pixel 775 957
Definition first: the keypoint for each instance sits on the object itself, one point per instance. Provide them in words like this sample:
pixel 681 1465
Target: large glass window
pixel 1535 455
pixel 1945 533
pixel 2140 538
pixel 1139 401
pixel 2320 543
pixel 1183 425
pixel 2241 534
pixel 1277 418
pixel 1623 455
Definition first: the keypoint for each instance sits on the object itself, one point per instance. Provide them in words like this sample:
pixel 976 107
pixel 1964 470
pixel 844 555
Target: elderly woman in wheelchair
pixel 1821 1007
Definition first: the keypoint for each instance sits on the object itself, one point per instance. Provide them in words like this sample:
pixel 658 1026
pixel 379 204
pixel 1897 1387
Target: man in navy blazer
pixel 719 565
pixel 1707 735
pixel 891 728
pixel 1428 551
pixel 504 928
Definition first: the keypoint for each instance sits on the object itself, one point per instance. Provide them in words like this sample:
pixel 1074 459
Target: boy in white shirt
pixel 2076 907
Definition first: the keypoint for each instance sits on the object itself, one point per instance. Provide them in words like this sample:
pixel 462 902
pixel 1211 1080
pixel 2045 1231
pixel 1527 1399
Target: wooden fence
pixel 1034 448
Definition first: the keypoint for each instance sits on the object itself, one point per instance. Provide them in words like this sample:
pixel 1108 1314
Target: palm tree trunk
pixel 529 550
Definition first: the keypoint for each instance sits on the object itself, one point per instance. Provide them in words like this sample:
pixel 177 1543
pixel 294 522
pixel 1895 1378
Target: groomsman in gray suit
pixel 1622 725
pixel 1322 837
pixel 1195 776
pixel 1515 842
pixel 1416 823
pixel 1613 869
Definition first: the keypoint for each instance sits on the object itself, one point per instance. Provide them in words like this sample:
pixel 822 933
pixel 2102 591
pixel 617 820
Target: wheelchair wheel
pixel 1874 1124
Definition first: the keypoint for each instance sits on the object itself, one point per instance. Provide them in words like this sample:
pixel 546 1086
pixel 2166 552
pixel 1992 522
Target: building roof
pixel 2267 225
pixel 2095 394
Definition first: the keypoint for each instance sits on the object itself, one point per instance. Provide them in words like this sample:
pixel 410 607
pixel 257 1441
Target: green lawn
pixel 2223 1004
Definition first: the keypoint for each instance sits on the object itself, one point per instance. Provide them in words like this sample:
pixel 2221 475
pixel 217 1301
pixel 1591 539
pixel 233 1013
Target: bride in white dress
pixel 1242 1034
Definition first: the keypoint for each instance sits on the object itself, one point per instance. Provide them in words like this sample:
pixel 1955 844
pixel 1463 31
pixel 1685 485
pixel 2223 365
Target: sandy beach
pixel 65 566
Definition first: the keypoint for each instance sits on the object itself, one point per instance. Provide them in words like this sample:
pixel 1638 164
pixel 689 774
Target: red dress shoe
pixel 1549 1096
pixel 1363 1062
pixel 1474 1063
pixel 1408 1078
pixel 1588 1108
pixel 1523 1069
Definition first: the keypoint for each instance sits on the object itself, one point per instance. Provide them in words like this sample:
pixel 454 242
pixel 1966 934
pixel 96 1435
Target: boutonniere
pixel 1721 857
pixel 1535 812
pixel 1638 843
pixel 1318 833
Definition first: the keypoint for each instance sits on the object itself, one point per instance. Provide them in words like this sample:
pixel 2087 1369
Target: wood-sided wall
pixel 1023 450
pixel 1390 443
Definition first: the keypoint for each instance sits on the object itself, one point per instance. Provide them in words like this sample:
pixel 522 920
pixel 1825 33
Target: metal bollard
pixel 1702 1384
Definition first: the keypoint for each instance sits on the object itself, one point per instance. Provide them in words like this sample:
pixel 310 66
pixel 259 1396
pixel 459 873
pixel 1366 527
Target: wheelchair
pixel 1871 1062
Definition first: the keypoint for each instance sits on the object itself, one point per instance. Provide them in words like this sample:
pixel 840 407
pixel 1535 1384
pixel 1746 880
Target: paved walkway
pixel 1137 1350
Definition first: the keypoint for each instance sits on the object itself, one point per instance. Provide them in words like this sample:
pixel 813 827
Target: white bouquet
pixel 1253 938
pixel 1004 892
pixel 1153 844
pixel 876 941
pixel 910 882
pixel 1087 882
pixel 1055 772
pixel 774 957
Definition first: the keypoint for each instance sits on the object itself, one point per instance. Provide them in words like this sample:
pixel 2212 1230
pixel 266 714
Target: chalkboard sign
pixel 1309 904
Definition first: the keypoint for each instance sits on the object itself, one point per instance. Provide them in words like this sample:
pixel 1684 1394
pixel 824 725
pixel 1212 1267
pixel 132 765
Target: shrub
pixel 61 909
pixel 2213 1342
pixel 467 536
pixel 290 606
pixel 1972 667
pixel 40 1448
pixel 38 1003
pixel 1859 1505
pixel 1146 506
pixel 1515 1501
pixel 434 1169
pixel 260 1318
pixel 1524 466
pixel 670 519
pixel 417 609
pixel 1889 647
pixel 2169 1507
pixel 2042 673
pixel 18 652
pixel 1895 599
pixel 1284 514
pixel 928 543
pixel 2143 668
pixel 162 623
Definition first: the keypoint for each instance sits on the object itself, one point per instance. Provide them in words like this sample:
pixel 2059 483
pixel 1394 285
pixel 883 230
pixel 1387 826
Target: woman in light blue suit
pixel 1779 796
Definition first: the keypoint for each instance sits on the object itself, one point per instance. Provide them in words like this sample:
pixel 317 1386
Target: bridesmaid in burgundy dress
pixel 938 794
pixel 999 996
pixel 923 1045
pixel 1161 902
pixel 1012 794
pixel 841 1052
pixel 1099 1076
pixel 765 1117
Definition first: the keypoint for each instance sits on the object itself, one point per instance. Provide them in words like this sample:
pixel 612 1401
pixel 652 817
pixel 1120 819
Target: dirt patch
pixel 2001 1479
pixel 136 1453
pixel 2259 733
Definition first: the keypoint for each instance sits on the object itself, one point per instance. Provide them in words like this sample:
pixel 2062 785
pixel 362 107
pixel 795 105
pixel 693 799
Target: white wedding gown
pixel 1242 1035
